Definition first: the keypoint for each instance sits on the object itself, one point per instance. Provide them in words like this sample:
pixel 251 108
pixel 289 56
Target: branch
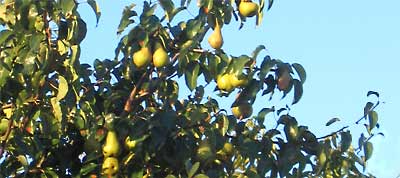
pixel 365 115
pixel 334 133
pixel 128 103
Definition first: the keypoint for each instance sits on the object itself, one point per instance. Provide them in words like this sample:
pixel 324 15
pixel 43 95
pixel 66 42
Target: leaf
pixel 300 72
pixel 331 121
pixel 4 74
pixel 367 108
pixel 56 108
pixel 4 35
pixel 93 4
pixel 345 140
pixel 368 149
pixel 168 7
pixel 62 88
pixel 270 2
pixel 373 119
pixel 225 126
pixel 194 169
pixel 261 115
pixel 298 91
pixel 127 13
pixel 200 176
pixel 266 66
pixel 373 93
pixel 67 6
pixel 191 75
pixel 88 168
pixel 257 51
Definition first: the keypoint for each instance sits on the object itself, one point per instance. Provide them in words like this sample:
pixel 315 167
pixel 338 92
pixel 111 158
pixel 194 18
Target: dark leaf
pixel 298 91
pixel 373 119
pixel 373 93
pixel 368 149
pixel 333 120
pixel 93 4
pixel 191 75
pixel 345 140
pixel 300 72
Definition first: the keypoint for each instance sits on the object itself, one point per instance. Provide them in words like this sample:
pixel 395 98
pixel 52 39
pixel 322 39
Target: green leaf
pixel 67 6
pixel 62 88
pixel 331 121
pixel 200 176
pixel 345 140
pixel 168 7
pixel 261 115
pixel 368 149
pixel 127 13
pixel 56 108
pixel 300 72
pixel 88 168
pixel 225 126
pixel 257 51
pixel 373 119
pixel 367 108
pixel 298 91
pixel 194 169
pixel 270 2
pixel 4 74
pixel 191 75
pixel 266 67
pixel 4 35
pixel 93 4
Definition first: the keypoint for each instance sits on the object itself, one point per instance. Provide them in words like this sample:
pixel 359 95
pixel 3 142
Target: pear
pixel 110 166
pixel 224 83
pixel 111 147
pixel 160 56
pixel 238 80
pixel 142 57
pixel 215 39
pixel 243 110
pixel 248 8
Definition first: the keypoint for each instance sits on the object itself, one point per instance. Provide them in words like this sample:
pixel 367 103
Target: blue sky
pixel 346 47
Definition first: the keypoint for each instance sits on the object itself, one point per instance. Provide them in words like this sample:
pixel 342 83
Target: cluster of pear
pixel 144 56
pixel 229 81
pixel 247 8
pixel 206 154
pixel 111 150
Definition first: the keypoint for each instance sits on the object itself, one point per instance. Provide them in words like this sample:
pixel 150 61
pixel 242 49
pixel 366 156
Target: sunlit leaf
pixel 67 6
pixel 373 119
pixel 194 169
pixel 93 4
pixel 368 149
pixel 62 88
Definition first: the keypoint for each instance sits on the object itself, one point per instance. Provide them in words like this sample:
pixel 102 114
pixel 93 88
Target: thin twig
pixel 135 90
pixel 334 133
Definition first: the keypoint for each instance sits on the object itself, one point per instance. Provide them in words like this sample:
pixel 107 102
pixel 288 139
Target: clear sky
pixel 346 47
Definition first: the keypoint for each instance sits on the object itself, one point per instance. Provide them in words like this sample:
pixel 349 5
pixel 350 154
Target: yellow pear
pixel 248 8
pixel 243 110
pixel 110 166
pixel 224 83
pixel 215 39
pixel 160 56
pixel 111 147
pixel 238 81
pixel 142 57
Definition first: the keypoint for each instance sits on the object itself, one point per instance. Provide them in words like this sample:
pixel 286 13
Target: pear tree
pixel 125 117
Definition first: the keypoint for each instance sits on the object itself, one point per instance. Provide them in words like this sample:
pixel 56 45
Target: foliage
pixel 61 118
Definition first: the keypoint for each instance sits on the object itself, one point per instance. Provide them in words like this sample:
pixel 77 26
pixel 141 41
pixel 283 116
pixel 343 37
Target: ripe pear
pixel 284 81
pixel 142 57
pixel 238 81
pixel 110 166
pixel 248 8
pixel 215 39
pixel 243 110
pixel 111 147
pixel 224 83
pixel 160 56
